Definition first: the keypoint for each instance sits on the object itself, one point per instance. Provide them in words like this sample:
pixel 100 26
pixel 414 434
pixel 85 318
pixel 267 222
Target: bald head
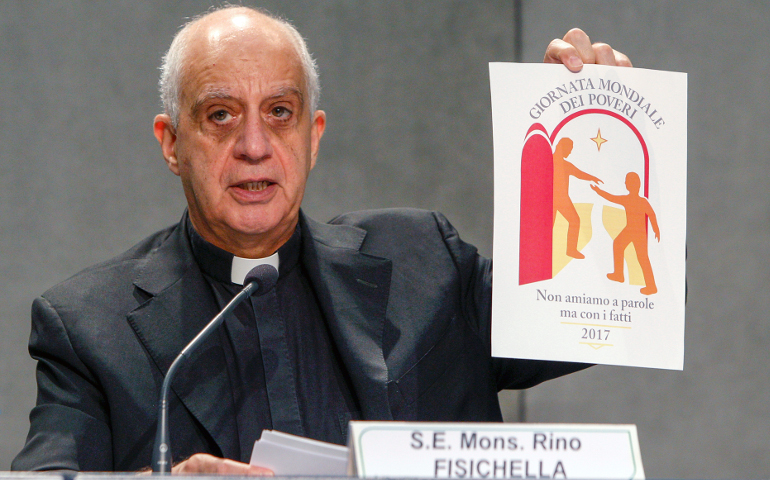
pixel 226 28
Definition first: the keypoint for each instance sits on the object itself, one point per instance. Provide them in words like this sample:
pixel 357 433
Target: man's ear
pixel 317 128
pixel 166 134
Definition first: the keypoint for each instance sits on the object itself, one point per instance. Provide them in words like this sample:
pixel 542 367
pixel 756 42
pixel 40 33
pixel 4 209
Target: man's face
pixel 245 142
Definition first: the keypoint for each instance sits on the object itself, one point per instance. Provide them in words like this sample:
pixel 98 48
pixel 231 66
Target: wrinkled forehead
pixel 242 43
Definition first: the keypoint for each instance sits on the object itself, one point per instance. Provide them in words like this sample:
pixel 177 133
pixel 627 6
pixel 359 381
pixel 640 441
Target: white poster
pixel 590 214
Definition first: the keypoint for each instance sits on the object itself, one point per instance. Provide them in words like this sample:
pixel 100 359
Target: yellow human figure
pixel 638 209
pixel 562 170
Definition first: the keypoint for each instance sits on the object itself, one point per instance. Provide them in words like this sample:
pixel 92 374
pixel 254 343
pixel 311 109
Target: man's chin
pixel 265 227
pixel 265 224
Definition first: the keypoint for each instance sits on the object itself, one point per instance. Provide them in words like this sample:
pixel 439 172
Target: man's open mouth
pixel 255 186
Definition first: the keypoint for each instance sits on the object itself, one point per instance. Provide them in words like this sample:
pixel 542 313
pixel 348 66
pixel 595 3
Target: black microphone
pixel 258 281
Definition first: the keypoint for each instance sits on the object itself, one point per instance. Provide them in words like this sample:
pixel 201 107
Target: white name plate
pixel 494 450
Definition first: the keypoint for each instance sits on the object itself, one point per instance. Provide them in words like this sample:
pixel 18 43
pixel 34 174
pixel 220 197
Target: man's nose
pixel 254 140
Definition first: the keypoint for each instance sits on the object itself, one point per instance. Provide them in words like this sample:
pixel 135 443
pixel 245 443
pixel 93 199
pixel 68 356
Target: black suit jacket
pixel 407 303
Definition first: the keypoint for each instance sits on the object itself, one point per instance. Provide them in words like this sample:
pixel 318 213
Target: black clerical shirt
pixel 285 371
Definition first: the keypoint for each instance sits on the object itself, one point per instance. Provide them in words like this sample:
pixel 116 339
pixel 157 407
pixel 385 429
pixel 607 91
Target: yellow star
pixel 599 140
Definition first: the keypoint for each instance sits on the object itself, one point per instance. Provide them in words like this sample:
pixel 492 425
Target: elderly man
pixel 380 315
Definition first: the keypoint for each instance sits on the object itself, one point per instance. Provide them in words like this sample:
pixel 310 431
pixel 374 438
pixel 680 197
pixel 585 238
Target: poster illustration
pixel 590 214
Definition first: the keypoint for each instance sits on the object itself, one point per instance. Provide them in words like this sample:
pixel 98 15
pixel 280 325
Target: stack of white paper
pixel 286 454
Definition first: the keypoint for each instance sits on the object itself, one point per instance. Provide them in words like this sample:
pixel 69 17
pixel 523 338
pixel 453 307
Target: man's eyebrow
pixel 288 91
pixel 208 95
pixel 285 91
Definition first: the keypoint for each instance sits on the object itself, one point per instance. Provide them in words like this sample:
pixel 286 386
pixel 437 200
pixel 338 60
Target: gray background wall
pixel 405 86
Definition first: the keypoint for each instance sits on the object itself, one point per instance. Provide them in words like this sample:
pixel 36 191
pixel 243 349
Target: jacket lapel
pixel 352 289
pixel 180 304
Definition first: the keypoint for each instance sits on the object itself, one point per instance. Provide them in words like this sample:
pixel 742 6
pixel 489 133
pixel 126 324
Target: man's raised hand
pixel 576 49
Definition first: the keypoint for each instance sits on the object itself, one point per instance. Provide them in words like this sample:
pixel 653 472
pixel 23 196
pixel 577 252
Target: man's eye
pixel 281 112
pixel 220 116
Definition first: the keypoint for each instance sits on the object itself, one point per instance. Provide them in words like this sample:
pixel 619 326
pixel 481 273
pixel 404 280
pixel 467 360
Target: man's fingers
pixel 579 39
pixel 606 55
pixel 205 463
pixel 260 471
pixel 621 59
pixel 559 51
pixel 603 54
pixel 575 50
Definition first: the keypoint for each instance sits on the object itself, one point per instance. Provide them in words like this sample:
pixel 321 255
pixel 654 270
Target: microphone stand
pixel 261 277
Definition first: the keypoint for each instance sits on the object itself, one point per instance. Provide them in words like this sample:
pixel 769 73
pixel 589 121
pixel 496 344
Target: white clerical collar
pixel 242 266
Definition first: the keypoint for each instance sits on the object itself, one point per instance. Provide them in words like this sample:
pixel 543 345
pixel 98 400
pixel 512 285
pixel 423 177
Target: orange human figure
pixel 638 209
pixel 562 170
